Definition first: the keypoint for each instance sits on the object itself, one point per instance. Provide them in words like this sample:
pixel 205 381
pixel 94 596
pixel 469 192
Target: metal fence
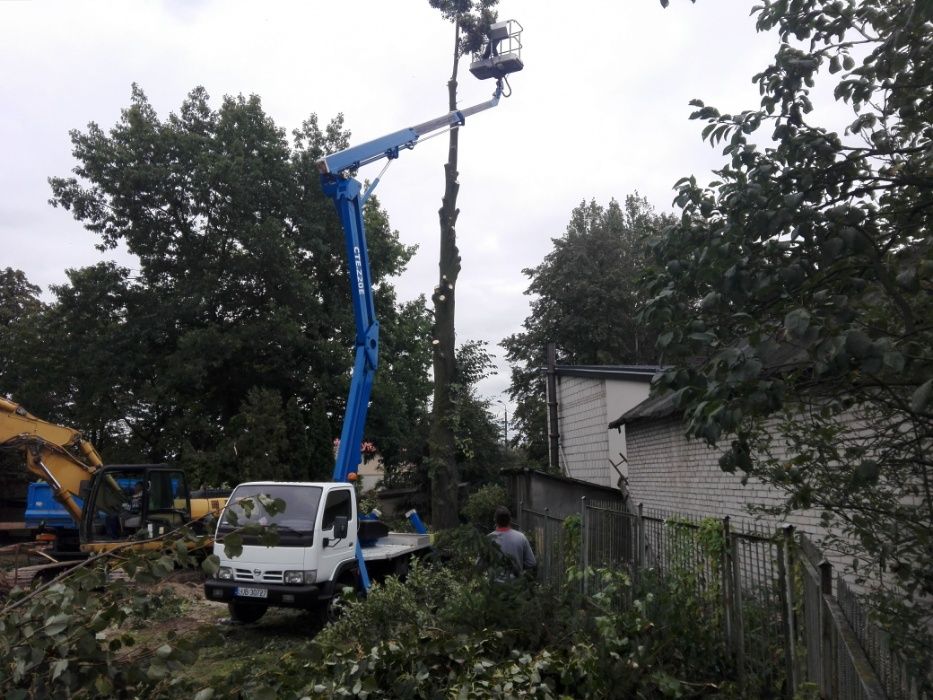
pixel 896 679
pixel 848 656
pixel 769 594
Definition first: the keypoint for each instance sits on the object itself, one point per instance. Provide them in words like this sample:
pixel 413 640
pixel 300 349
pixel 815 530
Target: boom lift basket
pixel 501 53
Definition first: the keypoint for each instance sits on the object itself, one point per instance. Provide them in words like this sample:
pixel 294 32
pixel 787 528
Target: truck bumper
pixel 278 595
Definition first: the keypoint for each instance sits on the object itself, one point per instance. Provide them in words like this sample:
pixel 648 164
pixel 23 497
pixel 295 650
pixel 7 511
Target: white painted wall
pixel 583 435
pixel 621 396
pixel 673 474
pixel 370 473
pixel 585 407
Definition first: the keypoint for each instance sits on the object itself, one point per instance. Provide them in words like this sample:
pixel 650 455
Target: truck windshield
pixel 301 504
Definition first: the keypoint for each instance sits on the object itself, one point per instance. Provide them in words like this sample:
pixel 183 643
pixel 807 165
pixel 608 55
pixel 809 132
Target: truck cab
pixel 317 534
pixel 315 555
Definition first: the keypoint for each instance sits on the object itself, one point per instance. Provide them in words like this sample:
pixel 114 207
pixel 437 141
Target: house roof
pixel 636 373
pixel 776 359
pixel 609 490
pixel 652 407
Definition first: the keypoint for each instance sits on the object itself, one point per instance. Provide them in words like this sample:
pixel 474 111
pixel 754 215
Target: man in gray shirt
pixel 512 542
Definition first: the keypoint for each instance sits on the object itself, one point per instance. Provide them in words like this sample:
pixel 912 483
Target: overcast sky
pixel 600 111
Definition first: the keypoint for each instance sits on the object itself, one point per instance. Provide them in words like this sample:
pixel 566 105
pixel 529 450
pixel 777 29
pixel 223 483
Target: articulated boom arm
pixel 346 192
pixel 388 146
pixel 347 197
pixel 54 453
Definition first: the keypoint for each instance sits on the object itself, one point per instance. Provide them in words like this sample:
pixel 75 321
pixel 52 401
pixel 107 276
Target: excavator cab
pixel 135 502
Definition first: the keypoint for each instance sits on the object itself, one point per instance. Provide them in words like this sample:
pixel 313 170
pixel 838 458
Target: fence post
pixel 640 539
pixel 827 653
pixel 547 545
pixel 725 573
pixel 736 559
pixel 584 536
pixel 786 583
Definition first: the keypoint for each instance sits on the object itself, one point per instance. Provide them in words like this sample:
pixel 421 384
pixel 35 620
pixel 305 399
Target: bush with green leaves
pixel 72 634
pixel 796 289
pixel 480 507
pixel 452 630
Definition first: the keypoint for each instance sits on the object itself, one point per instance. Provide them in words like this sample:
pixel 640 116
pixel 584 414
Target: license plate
pixel 247 592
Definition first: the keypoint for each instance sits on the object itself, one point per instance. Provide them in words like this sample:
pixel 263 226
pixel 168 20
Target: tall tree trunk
pixel 445 476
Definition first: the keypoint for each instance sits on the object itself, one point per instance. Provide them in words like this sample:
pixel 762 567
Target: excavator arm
pixel 54 453
pixel 107 514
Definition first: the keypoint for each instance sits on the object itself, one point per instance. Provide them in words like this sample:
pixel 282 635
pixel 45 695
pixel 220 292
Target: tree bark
pixel 445 476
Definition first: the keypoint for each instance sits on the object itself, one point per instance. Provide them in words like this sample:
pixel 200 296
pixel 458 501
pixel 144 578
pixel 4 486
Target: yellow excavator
pixel 110 505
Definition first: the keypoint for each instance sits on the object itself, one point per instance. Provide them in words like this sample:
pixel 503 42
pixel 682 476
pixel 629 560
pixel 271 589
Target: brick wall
pixel 584 437
pixel 670 473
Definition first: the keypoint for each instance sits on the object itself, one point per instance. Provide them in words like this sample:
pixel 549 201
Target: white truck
pixel 315 557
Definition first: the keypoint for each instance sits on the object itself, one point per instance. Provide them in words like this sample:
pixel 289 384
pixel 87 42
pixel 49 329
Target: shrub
pixel 480 507
pixel 453 631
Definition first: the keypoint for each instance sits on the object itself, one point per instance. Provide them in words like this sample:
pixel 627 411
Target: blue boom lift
pixel 499 56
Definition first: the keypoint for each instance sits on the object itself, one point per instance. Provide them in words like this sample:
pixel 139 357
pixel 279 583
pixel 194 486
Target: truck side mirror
pixel 341 526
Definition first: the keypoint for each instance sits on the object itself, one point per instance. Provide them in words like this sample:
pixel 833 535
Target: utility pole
pixel 553 434
pixel 505 424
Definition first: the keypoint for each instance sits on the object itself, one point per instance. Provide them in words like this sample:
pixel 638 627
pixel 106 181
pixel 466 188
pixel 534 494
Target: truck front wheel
pixel 246 612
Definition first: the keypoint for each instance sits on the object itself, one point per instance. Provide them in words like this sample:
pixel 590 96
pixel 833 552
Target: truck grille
pixel 266 576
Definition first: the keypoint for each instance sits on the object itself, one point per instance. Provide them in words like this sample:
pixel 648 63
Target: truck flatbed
pixel 396 544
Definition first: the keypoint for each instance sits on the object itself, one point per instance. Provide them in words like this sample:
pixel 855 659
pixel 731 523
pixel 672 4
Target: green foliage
pixel 586 297
pixel 449 630
pixel 572 541
pixel 19 299
pixel 480 507
pixel 249 529
pixel 398 420
pixel 229 348
pixel 452 631
pixel 796 289
pixel 476 434
pixel 75 634
pixel 472 18
pixel 478 450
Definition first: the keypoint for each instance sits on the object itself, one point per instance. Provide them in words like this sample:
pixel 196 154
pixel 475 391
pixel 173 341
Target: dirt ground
pixel 180 610
pixel 223 646
pixel 188 587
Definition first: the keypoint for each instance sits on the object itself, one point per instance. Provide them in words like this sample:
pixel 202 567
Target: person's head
pixel 503 517
pixel 138 488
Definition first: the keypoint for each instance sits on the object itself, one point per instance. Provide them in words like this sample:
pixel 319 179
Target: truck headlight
pixel 299 577
pixel 225 573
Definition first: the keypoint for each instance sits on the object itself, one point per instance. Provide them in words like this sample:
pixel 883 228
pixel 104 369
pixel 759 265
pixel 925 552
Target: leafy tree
pixel 798 290
pixel 311 440
pixel 19 298
pixel 19 308
pixel 479 450
pixel 470 19
pixel 586 300
pixel 480 507
pixel 238 316
pixel 398 423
